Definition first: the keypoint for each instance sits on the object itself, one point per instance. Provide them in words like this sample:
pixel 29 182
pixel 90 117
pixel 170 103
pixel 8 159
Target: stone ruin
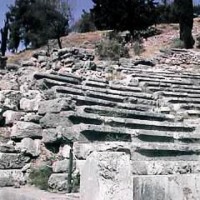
pixel 130 129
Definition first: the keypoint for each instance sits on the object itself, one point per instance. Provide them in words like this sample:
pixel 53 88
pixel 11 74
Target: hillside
pixel 169 33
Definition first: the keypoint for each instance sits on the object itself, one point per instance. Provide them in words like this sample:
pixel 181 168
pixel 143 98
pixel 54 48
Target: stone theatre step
pixel 130 123
pixel 57 78
pixel 164 167
pixel 115 112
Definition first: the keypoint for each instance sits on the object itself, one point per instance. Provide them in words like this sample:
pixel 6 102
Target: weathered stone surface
pixel 10 99
pixel 32 117
pixel 29 104
pixel 165 167
pixel 61 166
pixel 28 63
pixel 12 161
pixel 30 147
pixel 26 130
pixel 177 187
pixel 49 136
pixel 32 193
pixel 54 120
pixel 83 150
pixel 55 106
pixel 65 151
pixel 57 78
pixel 109 176
pixel 12 116
pixel 7 148
pixel 11 177
pixel 58 182
pixel 69 133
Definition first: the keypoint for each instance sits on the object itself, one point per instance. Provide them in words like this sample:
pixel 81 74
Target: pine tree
pixel 123 15
pixel 184 11
pixel 4 36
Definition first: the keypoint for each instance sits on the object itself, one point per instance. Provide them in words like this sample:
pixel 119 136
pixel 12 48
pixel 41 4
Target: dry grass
pixel 88 40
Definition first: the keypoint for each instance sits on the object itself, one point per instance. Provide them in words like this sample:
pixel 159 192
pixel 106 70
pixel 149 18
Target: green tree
pixel 4 36
pixel 85 23
pixel 124 15
pixel 33 22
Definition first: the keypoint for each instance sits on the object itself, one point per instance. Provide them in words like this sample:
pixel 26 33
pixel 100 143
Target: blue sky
pixel 77 7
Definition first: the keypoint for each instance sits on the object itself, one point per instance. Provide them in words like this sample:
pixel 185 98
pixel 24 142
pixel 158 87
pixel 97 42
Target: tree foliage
pixel 4 36
pixel 166 12
pixel 84 24
pixel 123 15
pixel 33 22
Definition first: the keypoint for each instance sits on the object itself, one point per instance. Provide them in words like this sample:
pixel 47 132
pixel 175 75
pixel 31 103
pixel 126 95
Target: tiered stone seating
pixel 111 116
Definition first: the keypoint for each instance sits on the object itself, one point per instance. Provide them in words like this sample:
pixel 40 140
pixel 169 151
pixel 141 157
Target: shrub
pixel 76 183
pixel 138 47
pixel 177 43
pixel 111 49
pixel 40 176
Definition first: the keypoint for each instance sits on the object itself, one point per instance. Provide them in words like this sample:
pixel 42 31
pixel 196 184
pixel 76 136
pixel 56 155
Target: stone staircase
pixel 148 119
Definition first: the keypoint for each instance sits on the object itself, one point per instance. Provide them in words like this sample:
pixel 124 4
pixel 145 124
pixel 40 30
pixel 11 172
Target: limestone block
pixel 11 177
pixel 26 130
pixel 107 176
pixel 65 151
pixel 32 117
pixel 12 160
pixel 30 146
pixel 29 104
pixel 166 187
pixel 49 136
pixel 12 116
pixel 51 120
pixel 58 182
pixel 10 99
pixel 61 166
pixel 54 106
